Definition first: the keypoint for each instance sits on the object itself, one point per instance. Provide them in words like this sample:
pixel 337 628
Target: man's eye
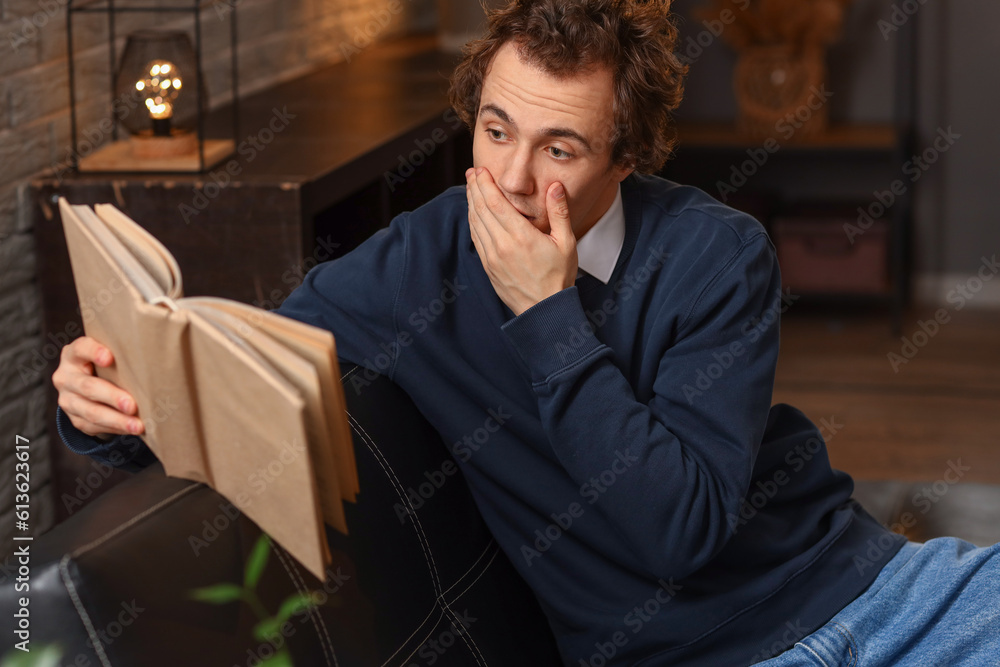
pixel 559 153
pixel 496 135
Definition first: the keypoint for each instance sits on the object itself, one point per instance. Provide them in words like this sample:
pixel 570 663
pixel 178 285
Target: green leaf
pixel 280 659
pixel 267 629
pixel 39 656
pixel 296 603
pixel 218 594
pixel 257 561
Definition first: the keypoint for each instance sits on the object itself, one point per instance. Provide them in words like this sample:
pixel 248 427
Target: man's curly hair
pixel 634 39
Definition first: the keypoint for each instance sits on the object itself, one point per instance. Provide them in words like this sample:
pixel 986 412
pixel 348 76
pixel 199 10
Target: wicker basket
pixel 775 89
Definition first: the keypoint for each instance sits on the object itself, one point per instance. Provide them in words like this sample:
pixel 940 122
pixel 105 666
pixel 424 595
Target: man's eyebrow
pixel 566 133
pixel 498 112
pixel 558 132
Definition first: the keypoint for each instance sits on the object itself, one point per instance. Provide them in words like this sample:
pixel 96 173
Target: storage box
pixel 832 254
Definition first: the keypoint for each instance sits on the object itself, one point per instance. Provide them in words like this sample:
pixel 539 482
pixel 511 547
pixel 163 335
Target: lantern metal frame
pixel 194 9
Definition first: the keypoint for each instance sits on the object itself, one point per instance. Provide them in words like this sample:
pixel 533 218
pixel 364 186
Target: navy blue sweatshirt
pixel 619 439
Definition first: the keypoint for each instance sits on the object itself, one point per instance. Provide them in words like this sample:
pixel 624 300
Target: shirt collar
pixel 598 250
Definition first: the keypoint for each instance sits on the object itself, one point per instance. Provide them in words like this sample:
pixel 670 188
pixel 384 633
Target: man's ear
pixel 623 172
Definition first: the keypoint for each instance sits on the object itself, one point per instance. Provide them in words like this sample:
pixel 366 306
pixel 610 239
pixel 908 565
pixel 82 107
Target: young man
pixel 626 329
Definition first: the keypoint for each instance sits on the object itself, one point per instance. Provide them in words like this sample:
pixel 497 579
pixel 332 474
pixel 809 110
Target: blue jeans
pixel 933 605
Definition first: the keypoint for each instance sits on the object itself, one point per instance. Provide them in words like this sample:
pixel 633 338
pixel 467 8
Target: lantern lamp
pixel 159 95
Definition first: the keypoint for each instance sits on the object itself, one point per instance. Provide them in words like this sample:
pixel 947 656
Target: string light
pixel 161 85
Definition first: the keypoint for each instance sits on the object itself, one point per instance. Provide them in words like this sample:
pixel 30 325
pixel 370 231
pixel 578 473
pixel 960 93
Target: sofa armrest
pixel 419 578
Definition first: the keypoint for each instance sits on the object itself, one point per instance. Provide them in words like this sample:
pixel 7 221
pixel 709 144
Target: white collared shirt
pixel 598 250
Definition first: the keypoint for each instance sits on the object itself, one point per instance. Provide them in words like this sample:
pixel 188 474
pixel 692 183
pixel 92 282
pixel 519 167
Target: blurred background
pixel 868 152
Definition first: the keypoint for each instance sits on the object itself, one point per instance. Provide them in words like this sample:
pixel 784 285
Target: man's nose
pixel 517 176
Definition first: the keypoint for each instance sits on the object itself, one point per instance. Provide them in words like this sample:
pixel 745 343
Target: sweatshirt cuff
pixel 126 452
pixel 552 335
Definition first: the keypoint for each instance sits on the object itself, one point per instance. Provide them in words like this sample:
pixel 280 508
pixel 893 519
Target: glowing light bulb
pixel 160 88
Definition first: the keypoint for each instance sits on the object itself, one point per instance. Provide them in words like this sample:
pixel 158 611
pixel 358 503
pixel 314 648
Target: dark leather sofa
pixel 428 586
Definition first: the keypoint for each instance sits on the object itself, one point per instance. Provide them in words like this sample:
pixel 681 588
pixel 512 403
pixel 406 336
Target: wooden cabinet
pixel 859 178
pixel 326 160
pixel 849 183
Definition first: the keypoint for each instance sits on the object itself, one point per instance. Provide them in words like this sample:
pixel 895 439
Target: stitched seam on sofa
pixel 81 611
pixel 418 527
pixel 134 520
pixel 435 605
pixel 302 589
pixel 478 576
pixel 414 521
pixel 427 636
pixel 71 587
pixel 465 636
pixel 423 641
pixel 398 488
pixel 490 546
pixel 422 623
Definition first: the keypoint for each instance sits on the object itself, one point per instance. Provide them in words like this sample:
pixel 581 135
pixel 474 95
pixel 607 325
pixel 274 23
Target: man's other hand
pixel 525 265
pixel 95 406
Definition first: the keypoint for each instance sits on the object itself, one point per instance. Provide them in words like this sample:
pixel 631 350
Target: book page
pixel 301 373
pixel 253 423
pixel 215 409
pixel 146 248
pixel 149 342
pixel 137 274
pixel 319 348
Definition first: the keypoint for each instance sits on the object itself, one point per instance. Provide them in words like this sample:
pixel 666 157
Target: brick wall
pixel 278 40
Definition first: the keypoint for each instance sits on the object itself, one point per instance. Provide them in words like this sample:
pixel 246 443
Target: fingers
pixel 97 419
pixel 557 207
pixel 93 405
pixel 97 390
pixel 75 375
pixel 480 230
pixel 477 241
pixel 480 235
pixel 86 349
pixel 489 202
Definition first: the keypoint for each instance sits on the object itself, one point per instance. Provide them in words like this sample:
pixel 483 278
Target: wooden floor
pixel 941 406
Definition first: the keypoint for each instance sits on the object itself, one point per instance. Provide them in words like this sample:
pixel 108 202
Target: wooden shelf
pixel 308 184
pixel 842 164
pixel 853 137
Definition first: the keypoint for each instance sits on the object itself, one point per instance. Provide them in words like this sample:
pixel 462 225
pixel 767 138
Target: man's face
pixel 534 129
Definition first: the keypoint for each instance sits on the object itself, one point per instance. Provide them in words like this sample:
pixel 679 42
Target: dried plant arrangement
pixel 781 68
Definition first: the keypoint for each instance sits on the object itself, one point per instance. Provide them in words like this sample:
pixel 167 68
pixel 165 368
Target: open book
pixel 246 401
